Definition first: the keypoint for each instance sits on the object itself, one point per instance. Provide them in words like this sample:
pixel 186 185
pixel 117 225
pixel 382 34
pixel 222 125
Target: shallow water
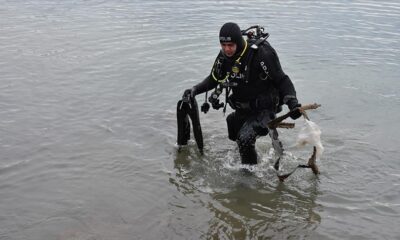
pixel 88 127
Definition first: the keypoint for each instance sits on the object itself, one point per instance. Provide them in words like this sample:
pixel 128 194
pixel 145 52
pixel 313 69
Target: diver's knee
pixel 245 138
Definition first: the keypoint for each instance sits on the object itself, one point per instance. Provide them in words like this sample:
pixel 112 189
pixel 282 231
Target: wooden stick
pixel 274 123
pixel 311 164
pixel 310 107
pixel 277 122
pixel 285 125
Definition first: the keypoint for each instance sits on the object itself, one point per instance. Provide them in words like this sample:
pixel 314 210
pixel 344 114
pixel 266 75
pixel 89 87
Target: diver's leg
pixel 235 121
pixel 254 126
pixel 246 139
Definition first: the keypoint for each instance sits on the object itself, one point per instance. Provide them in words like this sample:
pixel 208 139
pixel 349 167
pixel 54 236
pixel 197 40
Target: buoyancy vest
pixel 238 77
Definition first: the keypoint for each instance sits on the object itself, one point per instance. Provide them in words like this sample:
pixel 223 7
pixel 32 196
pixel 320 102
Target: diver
pixel 250 73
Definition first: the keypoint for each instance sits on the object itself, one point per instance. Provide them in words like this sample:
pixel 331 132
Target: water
pixel 88 128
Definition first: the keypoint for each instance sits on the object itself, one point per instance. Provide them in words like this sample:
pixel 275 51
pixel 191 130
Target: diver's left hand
pixel 189 93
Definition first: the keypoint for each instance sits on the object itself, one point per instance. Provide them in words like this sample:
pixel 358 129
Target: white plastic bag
pixel 310 133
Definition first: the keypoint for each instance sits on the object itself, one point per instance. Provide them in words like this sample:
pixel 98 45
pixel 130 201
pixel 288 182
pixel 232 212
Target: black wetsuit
pixel 260 87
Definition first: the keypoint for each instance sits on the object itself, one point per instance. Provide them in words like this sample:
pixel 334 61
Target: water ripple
pixel 88 124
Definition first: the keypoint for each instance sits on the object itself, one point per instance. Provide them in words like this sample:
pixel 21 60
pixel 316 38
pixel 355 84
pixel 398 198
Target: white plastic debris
pixel 310 133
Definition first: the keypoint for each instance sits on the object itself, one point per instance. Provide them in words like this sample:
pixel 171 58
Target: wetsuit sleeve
pixel 270 65
pixel 210 82
pixel 207 84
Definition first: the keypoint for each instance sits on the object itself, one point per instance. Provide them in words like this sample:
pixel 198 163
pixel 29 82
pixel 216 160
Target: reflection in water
pixel 87 120
pixel 246 212
pixel 243 206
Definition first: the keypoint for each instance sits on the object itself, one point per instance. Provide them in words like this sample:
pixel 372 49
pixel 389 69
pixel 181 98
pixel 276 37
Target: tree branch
pixel 275 122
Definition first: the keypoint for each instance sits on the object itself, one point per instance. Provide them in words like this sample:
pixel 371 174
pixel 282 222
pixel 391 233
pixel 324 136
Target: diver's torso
pixel 245 88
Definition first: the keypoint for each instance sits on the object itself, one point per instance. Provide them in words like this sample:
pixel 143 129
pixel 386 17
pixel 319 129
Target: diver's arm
pixel 210 81
pixel 279 79
pixel 207 84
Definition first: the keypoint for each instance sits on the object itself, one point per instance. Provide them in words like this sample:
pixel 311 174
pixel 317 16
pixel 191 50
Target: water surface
pixel 88 127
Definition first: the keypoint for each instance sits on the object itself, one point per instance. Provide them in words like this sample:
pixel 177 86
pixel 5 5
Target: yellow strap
pixel 241 55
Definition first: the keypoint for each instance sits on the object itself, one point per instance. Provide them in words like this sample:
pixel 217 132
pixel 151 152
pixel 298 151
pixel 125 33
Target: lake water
pixel 88 126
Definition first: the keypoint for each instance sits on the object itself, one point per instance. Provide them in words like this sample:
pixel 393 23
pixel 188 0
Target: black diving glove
pixel 189 93
pixel 293 104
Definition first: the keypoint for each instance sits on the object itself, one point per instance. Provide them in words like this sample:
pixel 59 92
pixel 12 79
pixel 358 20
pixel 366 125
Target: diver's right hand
pixel 189 93
pixel 294 106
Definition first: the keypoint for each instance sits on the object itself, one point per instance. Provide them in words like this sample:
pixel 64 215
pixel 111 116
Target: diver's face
pixel 228 48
